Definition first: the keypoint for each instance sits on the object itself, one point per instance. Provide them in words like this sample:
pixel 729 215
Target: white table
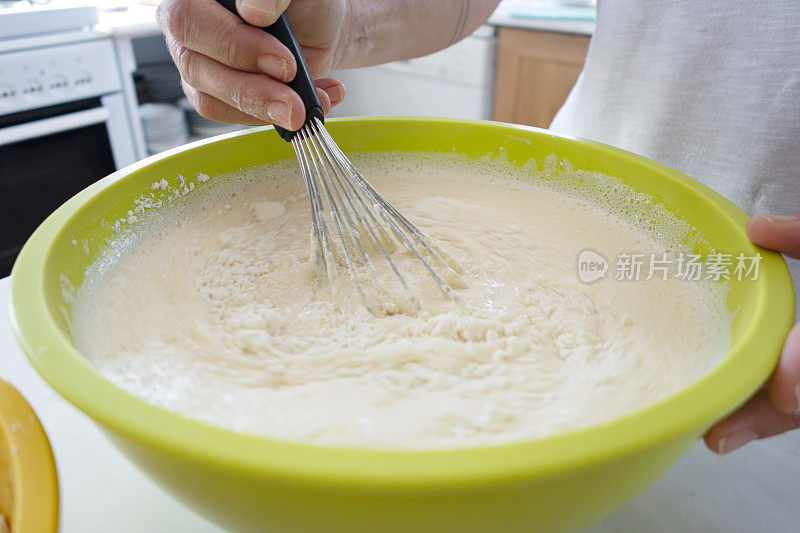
pixel 754 489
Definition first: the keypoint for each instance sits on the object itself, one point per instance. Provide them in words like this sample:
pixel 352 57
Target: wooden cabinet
pixel 535 72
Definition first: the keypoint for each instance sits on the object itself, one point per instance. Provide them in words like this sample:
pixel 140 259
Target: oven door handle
pixel 49 126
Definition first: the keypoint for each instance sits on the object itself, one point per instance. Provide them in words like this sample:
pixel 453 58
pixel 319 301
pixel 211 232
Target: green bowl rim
pixel 689 410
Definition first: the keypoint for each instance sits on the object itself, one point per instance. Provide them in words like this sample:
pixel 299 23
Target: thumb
pixel 784 385
pixel 261 13
pixel 778 233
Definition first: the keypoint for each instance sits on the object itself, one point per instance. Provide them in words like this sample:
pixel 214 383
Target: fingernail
pixel 270 7
pixel 274 66
pixel 735 440
pixel 323 98
pixel 280 113
pixel 776 219
pixel 336 93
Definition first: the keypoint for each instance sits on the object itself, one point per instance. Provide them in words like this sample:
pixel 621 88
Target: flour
pixel 209 308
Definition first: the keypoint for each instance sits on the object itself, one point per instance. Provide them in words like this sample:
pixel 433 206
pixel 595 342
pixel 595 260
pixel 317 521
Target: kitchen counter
pixel 131 20
pixel 752 489
pixel 504 16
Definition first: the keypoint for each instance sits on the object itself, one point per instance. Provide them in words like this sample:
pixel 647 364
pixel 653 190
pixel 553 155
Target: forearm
pixel 379 31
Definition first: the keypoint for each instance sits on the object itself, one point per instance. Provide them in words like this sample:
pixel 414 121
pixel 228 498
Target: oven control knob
pixel 33 89
pixel 57 83
pixel 82 79
pixel 7 94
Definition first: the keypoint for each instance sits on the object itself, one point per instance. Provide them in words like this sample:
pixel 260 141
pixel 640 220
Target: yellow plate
pixel 28 483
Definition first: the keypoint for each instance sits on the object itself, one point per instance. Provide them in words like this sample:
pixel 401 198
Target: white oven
pixel 63 125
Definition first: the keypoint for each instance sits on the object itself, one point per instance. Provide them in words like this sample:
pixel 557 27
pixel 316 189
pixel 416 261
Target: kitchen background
pixel 89 87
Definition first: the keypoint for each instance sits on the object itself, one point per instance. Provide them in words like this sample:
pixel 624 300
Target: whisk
pixel 363 220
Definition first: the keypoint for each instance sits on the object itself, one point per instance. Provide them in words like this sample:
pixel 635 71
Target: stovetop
pixel 24 18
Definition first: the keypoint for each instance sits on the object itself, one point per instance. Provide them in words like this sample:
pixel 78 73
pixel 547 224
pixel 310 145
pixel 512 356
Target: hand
pixel 232 72
pixel 774 409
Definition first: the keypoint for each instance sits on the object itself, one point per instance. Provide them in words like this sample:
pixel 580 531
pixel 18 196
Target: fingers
pixel 318 61
pixel 223 60
pixel 261 13
pixel 778 233
pixel 205 27
pixel 330 92
pixel 757 419
pixel 324 100
pixel 215 109
pixel 253 94
pixel 784 385
pixel 773 410
pixel 333 88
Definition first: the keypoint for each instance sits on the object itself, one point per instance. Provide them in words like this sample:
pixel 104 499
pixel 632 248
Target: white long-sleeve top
pixel 708 87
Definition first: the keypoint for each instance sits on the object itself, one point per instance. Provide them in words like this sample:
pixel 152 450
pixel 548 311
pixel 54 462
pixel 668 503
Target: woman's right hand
pixel 233 72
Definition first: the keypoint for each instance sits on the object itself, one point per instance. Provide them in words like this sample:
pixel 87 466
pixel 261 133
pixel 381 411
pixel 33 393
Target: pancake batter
pixel 207 307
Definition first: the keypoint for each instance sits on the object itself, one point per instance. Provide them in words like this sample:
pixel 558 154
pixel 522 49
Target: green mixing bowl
pixel 252 483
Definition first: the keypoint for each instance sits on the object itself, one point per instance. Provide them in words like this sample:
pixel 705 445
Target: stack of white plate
pixel 164 126
pixel 163 82
pixel 202 127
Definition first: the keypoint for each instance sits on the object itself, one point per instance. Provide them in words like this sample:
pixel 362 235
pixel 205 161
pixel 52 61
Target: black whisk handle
pixel 302 83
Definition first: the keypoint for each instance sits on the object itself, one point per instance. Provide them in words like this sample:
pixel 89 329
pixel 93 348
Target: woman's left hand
pixel 774 409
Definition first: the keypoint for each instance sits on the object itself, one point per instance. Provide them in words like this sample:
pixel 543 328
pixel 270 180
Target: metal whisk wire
pixel 360 216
